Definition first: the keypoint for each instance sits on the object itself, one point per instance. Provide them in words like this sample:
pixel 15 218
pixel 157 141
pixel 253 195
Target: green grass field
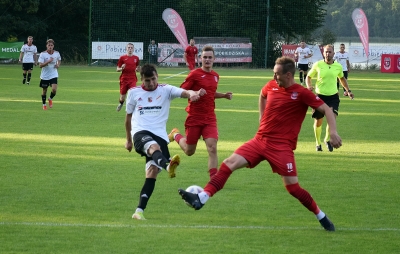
pixel 67 185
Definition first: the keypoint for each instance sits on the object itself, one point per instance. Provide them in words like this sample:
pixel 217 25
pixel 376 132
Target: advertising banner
pixel 10 49
pixel 224 52
pixel 175 23
pixel 361 23
pixel 113 49
pixel 357 54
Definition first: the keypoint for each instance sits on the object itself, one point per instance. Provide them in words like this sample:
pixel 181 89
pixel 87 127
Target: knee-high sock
pixel 29 76
pixel 218 181
pixel 301 77
pixel 159 159
pixel 44 99
pixel 327 134
pixel 317 133
pixel 303 196
pixel 146 192
pixel 212 172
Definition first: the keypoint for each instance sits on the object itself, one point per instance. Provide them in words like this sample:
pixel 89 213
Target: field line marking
pixel 52 224
pixel 175 75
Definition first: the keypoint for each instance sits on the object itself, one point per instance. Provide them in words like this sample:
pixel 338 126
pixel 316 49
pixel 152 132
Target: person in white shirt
pixel 49 61
pixel 28 57
pixel 147 111
pixel 302 54
pixel 342 57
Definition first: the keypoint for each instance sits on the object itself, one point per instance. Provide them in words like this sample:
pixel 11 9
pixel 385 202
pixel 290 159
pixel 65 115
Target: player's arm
pixel 193 95
pixel 335 139
pixel 343 82
pixel 43 64
pixel 128 128
pixel 185 58
pixel 20 56
pixel 348 65
pixel 262 102
pixel 227 95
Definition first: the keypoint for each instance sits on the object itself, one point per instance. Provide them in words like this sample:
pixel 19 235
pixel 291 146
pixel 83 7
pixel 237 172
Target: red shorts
pixel 192 65
pixel 279 156
pixel 193 133
pixel 125 84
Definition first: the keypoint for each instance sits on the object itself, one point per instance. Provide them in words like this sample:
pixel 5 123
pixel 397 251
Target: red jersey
pixel 191 53
pixel 202 111
pixel 284 112
pixel 131 63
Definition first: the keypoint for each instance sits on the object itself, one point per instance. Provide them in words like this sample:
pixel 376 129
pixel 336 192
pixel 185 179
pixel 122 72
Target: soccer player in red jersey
pixel 283 106
pixel 128 64
pixel 190 55
pixel 201 119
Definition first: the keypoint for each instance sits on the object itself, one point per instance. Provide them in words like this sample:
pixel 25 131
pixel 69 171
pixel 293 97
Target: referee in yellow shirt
pixel 326 71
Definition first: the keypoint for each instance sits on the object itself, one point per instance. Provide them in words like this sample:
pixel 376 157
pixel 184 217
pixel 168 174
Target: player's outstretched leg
pixel 327 224
pixel 191 199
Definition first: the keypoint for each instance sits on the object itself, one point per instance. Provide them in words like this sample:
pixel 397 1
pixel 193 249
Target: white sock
pixel 320 215
pixel 203 197
pixel 138 210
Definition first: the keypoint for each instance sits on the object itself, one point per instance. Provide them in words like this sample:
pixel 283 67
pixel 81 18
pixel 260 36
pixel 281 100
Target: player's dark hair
pixel 287 63
pixel 208 48
pixel 148 70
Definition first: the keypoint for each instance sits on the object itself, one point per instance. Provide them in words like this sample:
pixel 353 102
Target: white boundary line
pixel 51 224
pixel 175 75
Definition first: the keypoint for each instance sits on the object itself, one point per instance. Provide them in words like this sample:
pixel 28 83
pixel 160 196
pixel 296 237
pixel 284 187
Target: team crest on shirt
pixel 216 79
pixel 294 95
pixel 150 99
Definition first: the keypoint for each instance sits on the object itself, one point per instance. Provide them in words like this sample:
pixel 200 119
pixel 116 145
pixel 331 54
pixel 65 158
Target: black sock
pixel 52 95
pixel 301 77
pixel 159 159
pixel 29 76
pixel 44 99
pixel 146 192
pixel 121 102
pixel 24 75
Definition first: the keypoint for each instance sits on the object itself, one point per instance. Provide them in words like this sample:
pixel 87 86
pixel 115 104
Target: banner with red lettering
pixel 361 23
pixel 175 23
pixel 224 52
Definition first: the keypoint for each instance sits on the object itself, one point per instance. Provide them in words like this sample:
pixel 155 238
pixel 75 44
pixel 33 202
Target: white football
pixel 193 189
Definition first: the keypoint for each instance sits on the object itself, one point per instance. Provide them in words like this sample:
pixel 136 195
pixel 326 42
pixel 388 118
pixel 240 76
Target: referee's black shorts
pixel 332 101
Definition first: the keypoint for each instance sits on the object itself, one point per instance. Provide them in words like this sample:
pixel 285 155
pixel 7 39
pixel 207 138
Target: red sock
pixel 303 196
pixel 178 137
pixel 212 172
pixel 218 181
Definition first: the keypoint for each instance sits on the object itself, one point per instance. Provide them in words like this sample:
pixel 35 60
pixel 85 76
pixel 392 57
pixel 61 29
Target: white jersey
pixel 150 109
pixel 49 72
pixel 29 53
pixel 342 58
pixel 302 52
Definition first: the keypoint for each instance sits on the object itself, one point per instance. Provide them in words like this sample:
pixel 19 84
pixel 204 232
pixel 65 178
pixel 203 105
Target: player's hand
pixel 311 88
pixel 335 140
pixel 123 66
pixel 128 145
pixel 202 92
pixel 351 95
pixel 229 95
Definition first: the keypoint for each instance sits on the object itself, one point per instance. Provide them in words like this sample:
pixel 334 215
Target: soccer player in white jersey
pixel 342 57
pixel 49 61
pixel 147 111
pixel 302 54
pixel 28 57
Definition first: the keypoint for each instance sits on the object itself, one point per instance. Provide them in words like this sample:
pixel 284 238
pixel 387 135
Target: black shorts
pixel 140 138
pixel 47 83
pixel 332 101
pixel 302 67
pixel 27 66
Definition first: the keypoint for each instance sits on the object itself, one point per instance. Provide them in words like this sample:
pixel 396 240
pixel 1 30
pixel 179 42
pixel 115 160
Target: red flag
pixel 175 23
pixel 361 23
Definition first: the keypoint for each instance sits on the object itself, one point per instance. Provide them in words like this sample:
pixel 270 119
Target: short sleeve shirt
pixel 326 75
